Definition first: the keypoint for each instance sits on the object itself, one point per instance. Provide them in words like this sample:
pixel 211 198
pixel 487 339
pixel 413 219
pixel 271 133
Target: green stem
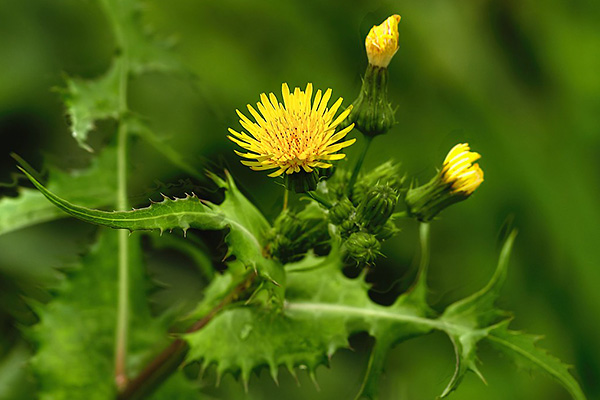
pixel 420 286
pixel 359 163
pixel 171 358
pixel 286 196
pixel 123 249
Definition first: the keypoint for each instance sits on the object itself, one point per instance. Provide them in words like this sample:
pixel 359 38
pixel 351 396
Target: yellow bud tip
pixel 382 42
pixel 459 170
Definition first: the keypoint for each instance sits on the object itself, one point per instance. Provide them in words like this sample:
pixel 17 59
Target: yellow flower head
pixel 294 136
pixel 460 171
pixel 382 42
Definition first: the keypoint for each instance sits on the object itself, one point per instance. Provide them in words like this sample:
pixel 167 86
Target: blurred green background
pixel 519 81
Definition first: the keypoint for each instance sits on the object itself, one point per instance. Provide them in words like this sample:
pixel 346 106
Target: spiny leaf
pixel 522 349
pixel 177 387
pixel 90 100
pixel 166 215
pixel 14 373
pixel 478 309
pixel 75 336
pixel 145 51
pixel 471 320
pixel 467 320
pixel 247 226
pixel 322 309
pixel 92 187
pixel 415 297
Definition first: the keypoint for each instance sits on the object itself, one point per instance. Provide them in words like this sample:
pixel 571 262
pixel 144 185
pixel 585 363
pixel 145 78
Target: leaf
pixel 76 333
pixel 322 309
pixel 471 320
pixel 415 297
pixel 88 101
pixel 521 348
pixel 15 374
pixel 177 387
pixel 92 187
pixel 247 226
pixel 466 321
pixel 145 51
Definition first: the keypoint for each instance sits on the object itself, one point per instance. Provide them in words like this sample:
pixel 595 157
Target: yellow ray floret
pixel 298 135
pixel 382 42
pixel 460 171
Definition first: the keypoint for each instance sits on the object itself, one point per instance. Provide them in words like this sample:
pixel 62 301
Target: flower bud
pixel 341 211
pixel 371 112
pixel 387 231
pixel 288 224
pixel 347 228
pixel 377 207
pixel 363 247
pixel 387 173
pixel 382 42
pixel 294 234
pixel 457 180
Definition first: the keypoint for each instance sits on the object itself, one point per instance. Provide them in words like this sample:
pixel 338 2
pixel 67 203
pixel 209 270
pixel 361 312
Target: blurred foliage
pixel 518 81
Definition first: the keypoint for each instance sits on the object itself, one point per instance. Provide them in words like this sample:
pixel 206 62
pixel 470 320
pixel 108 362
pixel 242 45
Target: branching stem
pixel 169 359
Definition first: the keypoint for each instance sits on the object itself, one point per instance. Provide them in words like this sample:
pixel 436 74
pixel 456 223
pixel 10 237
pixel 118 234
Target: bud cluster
pixel 364 221
pixel 293 234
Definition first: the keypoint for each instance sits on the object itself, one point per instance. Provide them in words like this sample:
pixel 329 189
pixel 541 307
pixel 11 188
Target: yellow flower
pixel 382 42
pixel 459 170
pixel 294 136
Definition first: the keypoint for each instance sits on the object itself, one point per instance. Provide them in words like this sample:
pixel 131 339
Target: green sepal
pixel 301 182
pixel 425 202
pixel 371 112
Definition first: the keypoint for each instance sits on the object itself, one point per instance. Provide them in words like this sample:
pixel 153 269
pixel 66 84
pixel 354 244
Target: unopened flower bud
pixel 347 228
pixel 341 211
pixel 387 231
pixel 457 180
pixel 377 207
pixel 288 224
pixel 371 113
pixel 363 247
pixel 387 173
pixel 382 42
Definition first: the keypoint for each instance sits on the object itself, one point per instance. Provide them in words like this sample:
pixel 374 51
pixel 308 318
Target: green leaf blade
pixel 522 349
pixel 88 101
pixel 466 322
pixel 91 187
pixel 322 309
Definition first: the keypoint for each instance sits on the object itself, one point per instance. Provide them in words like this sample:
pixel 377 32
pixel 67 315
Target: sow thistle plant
pixel 283 300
